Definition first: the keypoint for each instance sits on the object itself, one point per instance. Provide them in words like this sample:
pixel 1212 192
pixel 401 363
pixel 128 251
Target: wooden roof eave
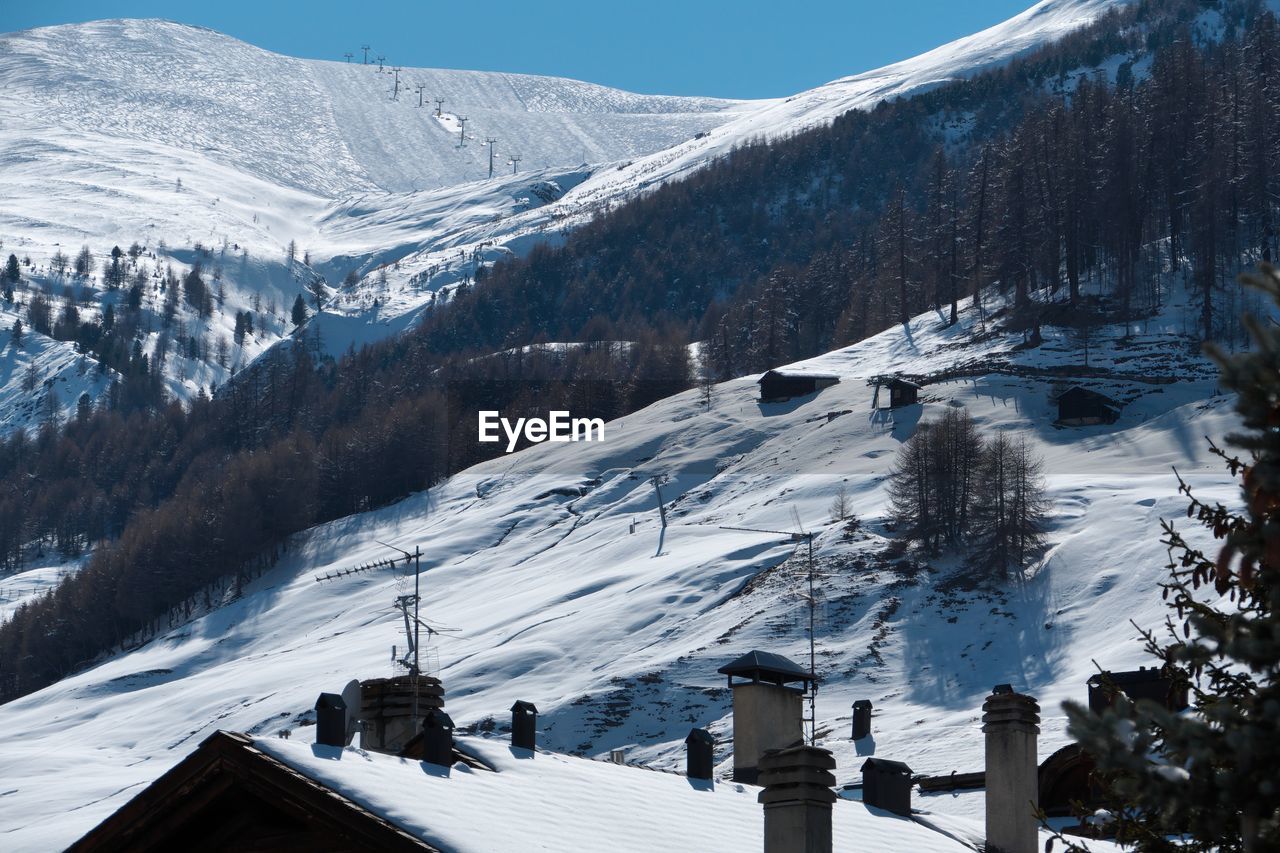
pixel 223 759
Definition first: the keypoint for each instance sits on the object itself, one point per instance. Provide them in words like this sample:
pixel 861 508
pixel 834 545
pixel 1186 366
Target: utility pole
pixel 515 160
pixel 462 131
pixel 348 56
pixel 491 141
pixel 365 48
pixel 439 106
pixel 395 95
pixel 380 60
pixel 420 87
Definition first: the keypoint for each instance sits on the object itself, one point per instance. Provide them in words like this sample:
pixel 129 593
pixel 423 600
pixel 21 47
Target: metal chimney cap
pixel 885 765
pixel 863 703
pixel 437 719
pixel 1001 688
pixel 523 707
pixel 331 701
pixel 699 736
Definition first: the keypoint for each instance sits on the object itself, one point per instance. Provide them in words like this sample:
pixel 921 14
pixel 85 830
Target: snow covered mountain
pixel 552 581
pixel 193 144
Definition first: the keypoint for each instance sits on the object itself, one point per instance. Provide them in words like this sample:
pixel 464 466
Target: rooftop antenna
pixel 491 141
pixel 365 48
pixel 381 59
pixel 439 106
pixel 462 131
pixel 395 95
pixel 515 160
pixel 416 557
pixel 348 56
pixel 419 87
pixel 807 538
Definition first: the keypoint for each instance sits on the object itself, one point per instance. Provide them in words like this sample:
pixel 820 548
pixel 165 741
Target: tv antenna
pixel 491 141
pixel 797 538
pixel 411 624
pixel 365 48
pixel 439 106
pixel 462 131
pixel 419 87
pixel 514 161
pixel 348 56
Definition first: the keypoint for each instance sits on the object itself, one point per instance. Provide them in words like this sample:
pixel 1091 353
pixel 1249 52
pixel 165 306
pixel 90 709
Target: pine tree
pixel 11 270
pixel 299 313
pixel 1211 775
pixel 16 334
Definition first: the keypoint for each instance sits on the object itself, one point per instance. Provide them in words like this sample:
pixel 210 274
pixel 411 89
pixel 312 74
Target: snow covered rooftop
pixel 549 801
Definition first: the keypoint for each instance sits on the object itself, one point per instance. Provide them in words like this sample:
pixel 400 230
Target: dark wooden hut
pixel 1081 407
pixel 777 386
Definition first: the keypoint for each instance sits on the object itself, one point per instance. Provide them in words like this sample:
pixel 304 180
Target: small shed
pixel 777 386
pixel 1081 407
pixel 1143 683
pixel 902 392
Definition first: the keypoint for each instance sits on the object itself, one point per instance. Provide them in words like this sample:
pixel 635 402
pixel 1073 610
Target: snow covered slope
pixel 616 635
pixel 456 252
pixel 328 128
pixel 168 135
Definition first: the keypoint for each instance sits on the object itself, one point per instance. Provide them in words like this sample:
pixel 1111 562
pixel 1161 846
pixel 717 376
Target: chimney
pixel 1011 723
pixel 861 718
pixel 331 720
pixel 767 712
pixel 618 756
pixel 700 754
pixel 392 710
pixel 524 725
pixel 887 785
pixel 797 799
pixel 437 738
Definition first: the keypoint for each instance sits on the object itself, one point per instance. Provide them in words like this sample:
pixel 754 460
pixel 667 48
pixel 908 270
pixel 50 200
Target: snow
pixel 558 802
pixel 101 121
pixel 544 594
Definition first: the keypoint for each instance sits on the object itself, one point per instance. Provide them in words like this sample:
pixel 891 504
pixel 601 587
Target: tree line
pixel 951 486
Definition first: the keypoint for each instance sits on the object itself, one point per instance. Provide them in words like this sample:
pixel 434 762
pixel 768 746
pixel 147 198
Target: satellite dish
pixel 351 696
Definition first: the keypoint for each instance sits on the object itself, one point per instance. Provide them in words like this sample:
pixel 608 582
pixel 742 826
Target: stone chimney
pixel 392 710
pixel 768 713
pixel 1011 722
pixel 797 799
pixel 700 754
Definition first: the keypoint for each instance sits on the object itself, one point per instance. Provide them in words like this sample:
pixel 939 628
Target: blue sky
pixel 743 49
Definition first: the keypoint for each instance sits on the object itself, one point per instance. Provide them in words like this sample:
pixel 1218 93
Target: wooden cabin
pixel 902 392
pixel 777 386
pixel 1151 683
pixel 1081 407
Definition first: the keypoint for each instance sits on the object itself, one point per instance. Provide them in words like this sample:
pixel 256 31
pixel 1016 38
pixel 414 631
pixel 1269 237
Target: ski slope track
pixel 544 591
pixel 169 135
